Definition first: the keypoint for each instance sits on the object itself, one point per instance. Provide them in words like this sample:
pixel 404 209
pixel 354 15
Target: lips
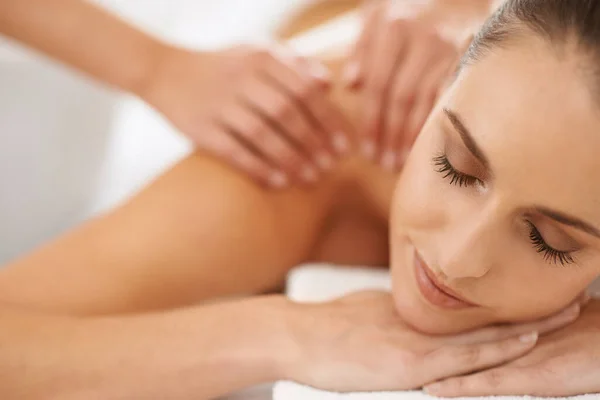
pixel 433 291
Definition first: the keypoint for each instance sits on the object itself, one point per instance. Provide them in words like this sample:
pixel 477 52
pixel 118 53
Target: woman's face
pixel 499 201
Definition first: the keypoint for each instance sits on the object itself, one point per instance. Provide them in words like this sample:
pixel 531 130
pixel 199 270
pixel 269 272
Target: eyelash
pixel 550 254
pixel 449 172
pixel 460 179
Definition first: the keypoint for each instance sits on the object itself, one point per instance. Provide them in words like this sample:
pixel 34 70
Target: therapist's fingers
pixel 355 67
pixel 542 326
pixel 401 98
pixel 381 69
pixel 322 130
pixel 423 103
pixel 286 130
pixel 223 142
pixel 260 138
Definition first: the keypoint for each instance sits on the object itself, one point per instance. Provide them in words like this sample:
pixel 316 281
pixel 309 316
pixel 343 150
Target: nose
pixel 466 251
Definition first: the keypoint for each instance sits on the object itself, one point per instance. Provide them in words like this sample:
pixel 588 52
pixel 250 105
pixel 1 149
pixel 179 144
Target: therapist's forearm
pixel 85 37
pixel 198 353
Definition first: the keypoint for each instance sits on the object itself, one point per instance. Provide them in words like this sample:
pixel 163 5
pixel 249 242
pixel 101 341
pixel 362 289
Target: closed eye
pixel 456 177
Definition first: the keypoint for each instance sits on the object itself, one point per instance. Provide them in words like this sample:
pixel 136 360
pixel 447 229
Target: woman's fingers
pixel 542 326
pixel 452 360
pixel 509 381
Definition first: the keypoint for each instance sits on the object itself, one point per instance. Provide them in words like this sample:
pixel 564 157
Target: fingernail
pixel 278 180
pixel 368 149
pixel 572 311
pixel 586 298
pixel 309 174
pixel 324 161
pixel 568 312
pixel 575 308
pixel 433 388
pixel 340 143
pixel 388 161
pixel 529 337
pixel 321 72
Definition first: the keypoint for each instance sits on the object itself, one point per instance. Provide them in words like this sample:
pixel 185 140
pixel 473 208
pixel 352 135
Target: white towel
pixel 322 282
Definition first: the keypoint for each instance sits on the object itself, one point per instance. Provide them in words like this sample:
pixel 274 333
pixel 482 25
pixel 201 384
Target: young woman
pixel 494 219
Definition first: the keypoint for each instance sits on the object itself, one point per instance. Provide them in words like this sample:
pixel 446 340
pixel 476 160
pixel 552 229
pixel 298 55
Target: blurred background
pixel 71 148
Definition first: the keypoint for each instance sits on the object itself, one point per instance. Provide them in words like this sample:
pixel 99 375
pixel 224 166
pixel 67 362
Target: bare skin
pixel 203 230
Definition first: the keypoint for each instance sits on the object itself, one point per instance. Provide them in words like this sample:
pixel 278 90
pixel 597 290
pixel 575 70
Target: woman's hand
pixel 359 343
pixel 564 363
pixel 402 60
pixel 264 110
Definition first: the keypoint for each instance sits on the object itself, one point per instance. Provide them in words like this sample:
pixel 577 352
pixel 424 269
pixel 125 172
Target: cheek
pixel 414 203
pixel 536 289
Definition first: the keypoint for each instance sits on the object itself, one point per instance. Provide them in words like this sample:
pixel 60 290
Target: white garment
pixel 321 283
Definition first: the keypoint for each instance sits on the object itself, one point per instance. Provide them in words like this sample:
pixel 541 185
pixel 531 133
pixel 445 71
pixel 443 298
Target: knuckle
pixel 469 355
pixel 504 348
pixel 494 378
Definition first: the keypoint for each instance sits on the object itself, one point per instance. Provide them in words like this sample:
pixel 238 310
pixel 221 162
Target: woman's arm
pixel 354 343
pixel 194 353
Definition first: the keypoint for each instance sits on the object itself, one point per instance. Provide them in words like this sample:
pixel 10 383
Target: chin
pixel 416 311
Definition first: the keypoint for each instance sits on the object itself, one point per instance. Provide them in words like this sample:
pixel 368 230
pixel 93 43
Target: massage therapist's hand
pixel 264 110
pixel 359 343
pixel 564 363
pixel 404 56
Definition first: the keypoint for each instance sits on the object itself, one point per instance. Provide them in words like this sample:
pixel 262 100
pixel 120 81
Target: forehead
pixel 534 117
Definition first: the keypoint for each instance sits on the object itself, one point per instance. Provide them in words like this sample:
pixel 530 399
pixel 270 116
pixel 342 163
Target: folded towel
pixel 321 283
pixel 294 391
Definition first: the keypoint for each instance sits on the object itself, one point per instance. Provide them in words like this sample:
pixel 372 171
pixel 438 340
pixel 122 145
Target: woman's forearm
pixel 85 37
pixel 196 353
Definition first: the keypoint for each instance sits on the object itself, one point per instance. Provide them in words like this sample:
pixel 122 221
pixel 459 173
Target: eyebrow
pixel 568 220
pixel 467 138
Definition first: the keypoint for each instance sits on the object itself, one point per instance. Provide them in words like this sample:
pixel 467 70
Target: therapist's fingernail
pixel 278 180
pixel 309 174
pixel 340 143
pixel 368 149
pixel 324 161
pixel 388 161
pixel 529 337
pixel 321 72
